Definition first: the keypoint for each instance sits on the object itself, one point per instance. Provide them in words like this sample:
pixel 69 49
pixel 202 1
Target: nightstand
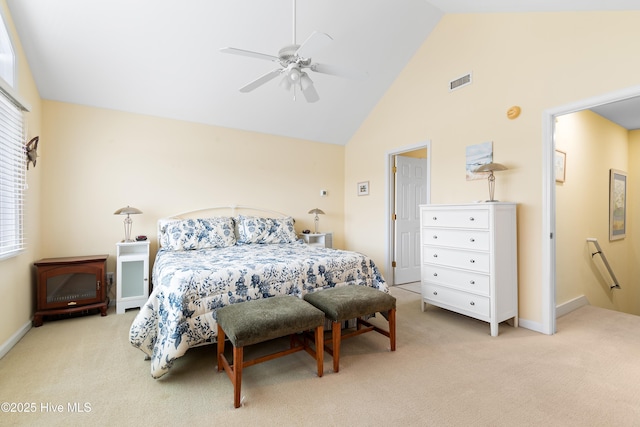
pixel 132 275
pixel 324 240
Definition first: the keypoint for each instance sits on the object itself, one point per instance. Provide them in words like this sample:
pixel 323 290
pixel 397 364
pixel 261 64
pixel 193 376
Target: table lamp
pixel 127 221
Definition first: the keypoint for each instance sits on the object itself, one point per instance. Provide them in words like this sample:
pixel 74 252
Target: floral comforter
pixel 189 286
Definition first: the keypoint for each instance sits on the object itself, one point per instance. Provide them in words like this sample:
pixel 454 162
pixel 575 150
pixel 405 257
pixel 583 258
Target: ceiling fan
pixel 293 60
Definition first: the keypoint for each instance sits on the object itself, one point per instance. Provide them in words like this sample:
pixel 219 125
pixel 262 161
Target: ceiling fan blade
pixel 339 71
pixel 249 53
pixel 313 43
pixel 261 80
pixel 310 94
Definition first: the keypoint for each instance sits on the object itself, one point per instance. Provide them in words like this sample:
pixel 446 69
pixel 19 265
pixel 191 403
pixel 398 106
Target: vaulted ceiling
pixel 163 58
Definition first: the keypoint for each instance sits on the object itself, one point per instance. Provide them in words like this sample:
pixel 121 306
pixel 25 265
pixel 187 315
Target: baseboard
pixel 8 345
pixel 529 324
pixel 569 306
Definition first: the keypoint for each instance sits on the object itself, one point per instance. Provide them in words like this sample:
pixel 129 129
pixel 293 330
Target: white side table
pixel 324 240
pixel 132 275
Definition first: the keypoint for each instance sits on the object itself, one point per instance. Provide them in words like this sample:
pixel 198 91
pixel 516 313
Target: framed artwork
pixel 559 165
pixel 476 156
pixel 363 188
pixel 617 204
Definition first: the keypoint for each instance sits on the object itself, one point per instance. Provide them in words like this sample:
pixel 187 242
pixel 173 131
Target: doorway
pixel 420 150
pixel 548 325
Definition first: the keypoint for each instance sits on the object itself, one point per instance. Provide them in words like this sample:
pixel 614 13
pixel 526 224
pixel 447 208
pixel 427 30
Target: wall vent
pixel 460 82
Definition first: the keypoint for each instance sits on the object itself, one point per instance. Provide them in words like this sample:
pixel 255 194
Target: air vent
pixel 460 82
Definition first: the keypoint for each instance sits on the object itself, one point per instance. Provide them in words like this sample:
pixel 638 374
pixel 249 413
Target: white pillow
pixel 201 233
pixel 265 230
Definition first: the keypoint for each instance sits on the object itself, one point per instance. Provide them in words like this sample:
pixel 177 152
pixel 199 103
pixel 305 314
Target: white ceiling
pixel 162 58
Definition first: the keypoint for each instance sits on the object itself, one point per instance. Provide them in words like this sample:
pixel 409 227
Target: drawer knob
pixel 472 219
pixel 435 292
pixel 472 303
pixel 472 261
pixel 472 240
pixel 435 237
pixel 435 218
pixel 435 255
pixel 473 282
pixel 435 274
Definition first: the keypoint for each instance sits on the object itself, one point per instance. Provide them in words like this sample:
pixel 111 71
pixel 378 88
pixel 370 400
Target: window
pixel 7 57
pixel 12 155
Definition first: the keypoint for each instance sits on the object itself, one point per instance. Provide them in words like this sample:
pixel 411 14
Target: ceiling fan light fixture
pixel 294 74
pixel 285 83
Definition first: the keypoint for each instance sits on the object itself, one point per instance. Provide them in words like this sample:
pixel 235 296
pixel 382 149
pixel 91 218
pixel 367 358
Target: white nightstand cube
pixel 132 275
pixel 324 240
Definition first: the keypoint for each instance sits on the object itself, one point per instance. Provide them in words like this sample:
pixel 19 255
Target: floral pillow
pixel 189 234
pixel 265 230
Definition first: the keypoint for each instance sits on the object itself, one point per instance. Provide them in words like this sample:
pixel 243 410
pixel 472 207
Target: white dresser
pixel 469 260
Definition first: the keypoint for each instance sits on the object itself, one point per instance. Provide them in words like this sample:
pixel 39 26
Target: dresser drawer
pixel 465 218
pixel 463 302
pixel 464 239
pixel 477 283
pixel 476 261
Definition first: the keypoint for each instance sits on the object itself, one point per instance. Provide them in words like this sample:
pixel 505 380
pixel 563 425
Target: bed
pixel 210 258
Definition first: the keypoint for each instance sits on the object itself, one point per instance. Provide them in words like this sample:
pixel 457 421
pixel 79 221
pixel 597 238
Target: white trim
pixel 569 306
pixel 388 251
pixel 531 325
pixel 549 313
pixel 13 340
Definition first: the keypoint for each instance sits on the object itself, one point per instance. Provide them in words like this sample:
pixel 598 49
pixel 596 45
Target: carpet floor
pixel 447 371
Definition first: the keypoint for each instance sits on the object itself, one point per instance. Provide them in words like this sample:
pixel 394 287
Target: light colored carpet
pixel 447 371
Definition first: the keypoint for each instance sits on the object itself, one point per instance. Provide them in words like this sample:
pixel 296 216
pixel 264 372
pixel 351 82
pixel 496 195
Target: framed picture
pixel 363 188
pixel 559 165
pixel 476 156
pixel 617 204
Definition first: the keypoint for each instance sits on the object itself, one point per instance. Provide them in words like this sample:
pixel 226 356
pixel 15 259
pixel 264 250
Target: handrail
pixel 593 240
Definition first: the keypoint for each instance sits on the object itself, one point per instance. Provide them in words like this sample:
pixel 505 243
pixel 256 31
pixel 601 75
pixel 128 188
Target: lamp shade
pixel 491 167
pixel 127 211
pixel 316 211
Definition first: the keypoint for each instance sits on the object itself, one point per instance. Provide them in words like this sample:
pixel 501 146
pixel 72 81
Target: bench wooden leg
pixel 392 328
pixel 320 349
pixel 238 361
pixel 220 348
pixel 234 372
pixel 336 332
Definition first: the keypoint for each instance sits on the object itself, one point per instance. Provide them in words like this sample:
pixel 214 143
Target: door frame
pixel 390 200
pixel 549 196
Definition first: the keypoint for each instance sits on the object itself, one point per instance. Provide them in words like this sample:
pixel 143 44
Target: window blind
pixel 12 178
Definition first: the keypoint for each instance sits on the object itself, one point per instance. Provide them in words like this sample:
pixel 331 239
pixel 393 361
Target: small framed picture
pixel 617 204
pixel 560 165
pixel 363 188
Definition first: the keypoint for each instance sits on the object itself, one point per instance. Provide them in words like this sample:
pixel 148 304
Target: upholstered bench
pixel 261 320
pixel 353 302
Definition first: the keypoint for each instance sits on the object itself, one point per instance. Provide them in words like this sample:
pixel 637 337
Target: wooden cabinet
pixel 69 285
pixel 132 281
pixel 469 260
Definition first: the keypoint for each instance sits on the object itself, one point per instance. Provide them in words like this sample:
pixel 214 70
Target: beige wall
pixel 16 292
pixel 594 145
pixel 538 61
pixel 97 161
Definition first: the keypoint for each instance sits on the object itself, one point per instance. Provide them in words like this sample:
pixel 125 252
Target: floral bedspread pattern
pixel 190 285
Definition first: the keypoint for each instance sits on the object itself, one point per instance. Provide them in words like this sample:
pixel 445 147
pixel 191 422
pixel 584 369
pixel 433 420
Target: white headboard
pixel 230 211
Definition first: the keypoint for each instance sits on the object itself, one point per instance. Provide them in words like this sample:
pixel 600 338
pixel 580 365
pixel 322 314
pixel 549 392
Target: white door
pixel 411 191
